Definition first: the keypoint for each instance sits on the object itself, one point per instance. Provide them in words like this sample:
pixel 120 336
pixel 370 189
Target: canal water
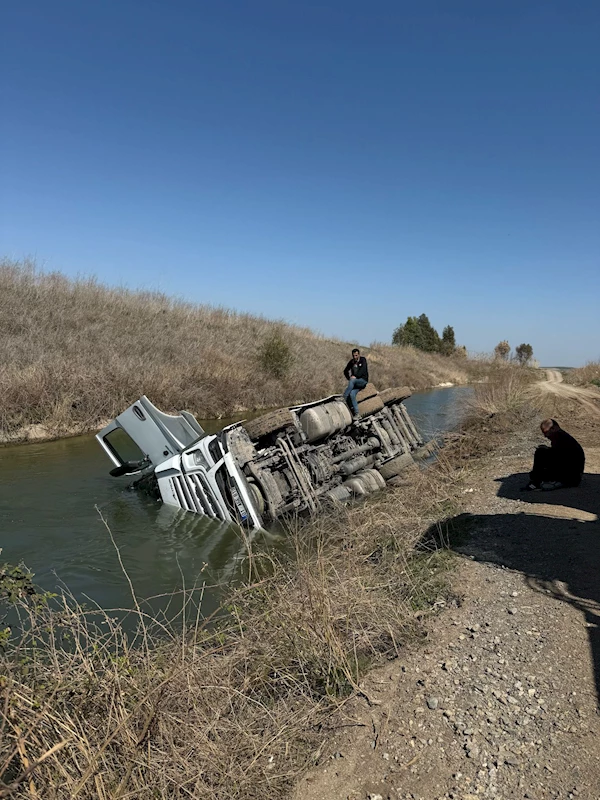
pixel 57 499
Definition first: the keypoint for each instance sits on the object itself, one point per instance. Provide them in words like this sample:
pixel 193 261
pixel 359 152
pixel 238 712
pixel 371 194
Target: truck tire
pixel 377 478
pixel 366 393
pixel 269 423
pixel 371 479
pixel 370 406
pixel 356 486
pixel 396 395
pixel 339 494
pixel 395 466
pixel 424 452
pixel 257 497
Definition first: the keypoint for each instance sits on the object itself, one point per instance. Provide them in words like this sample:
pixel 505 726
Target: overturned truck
pixel 284 462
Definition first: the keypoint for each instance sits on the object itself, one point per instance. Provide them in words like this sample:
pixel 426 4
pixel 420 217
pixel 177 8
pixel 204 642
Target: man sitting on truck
pixel 559 465
pixel 357 375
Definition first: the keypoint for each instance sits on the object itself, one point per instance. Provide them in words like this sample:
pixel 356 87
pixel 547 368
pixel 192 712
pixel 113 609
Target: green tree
pixel 502 350
pixel 448 345
pixel 409 334
pixel 524 353
pixel 430 337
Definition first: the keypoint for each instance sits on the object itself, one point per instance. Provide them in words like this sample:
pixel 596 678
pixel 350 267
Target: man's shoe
pixel 549 486
pixel 356 418
pixel 531 487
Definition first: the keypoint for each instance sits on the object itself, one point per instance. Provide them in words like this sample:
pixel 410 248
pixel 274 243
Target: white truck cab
pixel 193 470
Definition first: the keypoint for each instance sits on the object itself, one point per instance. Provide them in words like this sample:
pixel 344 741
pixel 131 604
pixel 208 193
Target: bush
pixel 502 350
pixel 508 391
pixel 524 353
pixel 583 376
pixel 275 355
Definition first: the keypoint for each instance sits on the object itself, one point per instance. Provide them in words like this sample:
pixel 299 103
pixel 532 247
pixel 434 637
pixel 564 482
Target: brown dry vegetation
pixel 584 375
pixel 239 709
pixel 76 353
pixel 233 711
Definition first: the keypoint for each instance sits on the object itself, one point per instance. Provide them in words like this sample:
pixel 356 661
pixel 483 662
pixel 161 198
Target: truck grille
pixel 194 495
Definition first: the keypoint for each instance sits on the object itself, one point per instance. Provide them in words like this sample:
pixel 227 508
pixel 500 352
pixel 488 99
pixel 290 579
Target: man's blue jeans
pixel 353 388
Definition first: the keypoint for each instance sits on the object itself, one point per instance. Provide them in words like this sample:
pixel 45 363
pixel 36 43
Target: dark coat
pixel 568 453
pixel 357 369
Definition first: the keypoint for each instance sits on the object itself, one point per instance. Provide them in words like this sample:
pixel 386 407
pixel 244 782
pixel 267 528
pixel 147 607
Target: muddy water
pixel 55 498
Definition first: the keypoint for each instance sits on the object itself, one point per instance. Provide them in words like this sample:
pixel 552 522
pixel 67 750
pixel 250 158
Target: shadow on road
pixel 554 542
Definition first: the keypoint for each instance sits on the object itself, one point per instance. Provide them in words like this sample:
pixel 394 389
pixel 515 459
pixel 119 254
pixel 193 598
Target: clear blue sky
pixel 334 163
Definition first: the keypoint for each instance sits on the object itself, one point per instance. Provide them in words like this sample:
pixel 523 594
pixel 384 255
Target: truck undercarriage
pixel 285 462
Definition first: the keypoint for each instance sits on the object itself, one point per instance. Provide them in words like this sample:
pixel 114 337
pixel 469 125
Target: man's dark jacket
pixel 568 454
pixel 357 369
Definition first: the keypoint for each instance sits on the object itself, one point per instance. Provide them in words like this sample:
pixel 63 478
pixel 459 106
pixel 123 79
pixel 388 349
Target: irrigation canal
pixel 52 495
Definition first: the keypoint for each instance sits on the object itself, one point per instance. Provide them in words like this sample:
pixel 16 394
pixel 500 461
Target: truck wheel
pixel 425 451
pixel 370 406
pixel 269 423
pixel 339 494
pixel 379 481
pixel 366 393
pixel 371 480
pixel 257 497
pixel 395 466
pixel 396 395
pixel 357 486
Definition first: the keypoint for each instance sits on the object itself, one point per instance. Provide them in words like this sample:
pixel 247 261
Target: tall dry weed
pixel 507 391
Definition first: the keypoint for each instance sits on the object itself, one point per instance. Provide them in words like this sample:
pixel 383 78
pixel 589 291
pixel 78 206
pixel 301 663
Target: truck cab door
pixel 158 436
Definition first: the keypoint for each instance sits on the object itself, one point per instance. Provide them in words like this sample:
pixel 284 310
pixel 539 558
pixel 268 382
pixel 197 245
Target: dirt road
pixel 554 384
pixel 502 702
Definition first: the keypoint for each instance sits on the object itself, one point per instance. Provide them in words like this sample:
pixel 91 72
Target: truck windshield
pixel 122 446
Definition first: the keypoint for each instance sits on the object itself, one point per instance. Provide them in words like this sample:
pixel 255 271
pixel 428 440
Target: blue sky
pixel 337 164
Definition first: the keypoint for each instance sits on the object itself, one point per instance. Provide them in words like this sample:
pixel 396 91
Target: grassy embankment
pixel 240 710
pixel 75 353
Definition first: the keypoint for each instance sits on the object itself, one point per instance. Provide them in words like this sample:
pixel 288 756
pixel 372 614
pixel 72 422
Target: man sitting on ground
pixel 357 375
pixel 559 465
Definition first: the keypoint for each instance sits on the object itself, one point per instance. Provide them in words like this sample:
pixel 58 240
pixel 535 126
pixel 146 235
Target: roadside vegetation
pixel 74 353
pixel 583 376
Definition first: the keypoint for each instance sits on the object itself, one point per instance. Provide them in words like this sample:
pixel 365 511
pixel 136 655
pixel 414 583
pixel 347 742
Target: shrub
pixel 502 350
pixel 275 355
pixel 524 353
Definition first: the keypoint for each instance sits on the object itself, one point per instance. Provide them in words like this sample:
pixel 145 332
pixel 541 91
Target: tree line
pixel 523 352
pixel 419 332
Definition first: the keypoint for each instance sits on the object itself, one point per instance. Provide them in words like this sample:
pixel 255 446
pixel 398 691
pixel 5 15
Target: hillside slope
pixel 74 353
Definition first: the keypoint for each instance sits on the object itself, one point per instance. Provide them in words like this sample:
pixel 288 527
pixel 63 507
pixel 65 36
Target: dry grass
pixel 507 391
pixel 584 375
pixel 236 710
pixel 75 353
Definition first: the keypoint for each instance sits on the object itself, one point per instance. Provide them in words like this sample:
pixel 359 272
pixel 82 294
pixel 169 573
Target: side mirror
pixel 130 468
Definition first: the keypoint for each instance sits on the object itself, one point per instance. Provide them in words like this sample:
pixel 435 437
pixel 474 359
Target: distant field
pixel 76 353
